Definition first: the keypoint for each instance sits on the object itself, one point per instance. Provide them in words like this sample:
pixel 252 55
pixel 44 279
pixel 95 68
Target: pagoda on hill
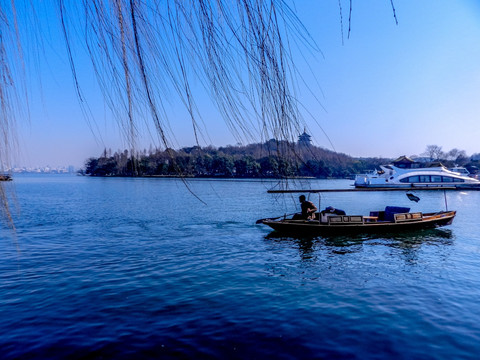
pixel 304 139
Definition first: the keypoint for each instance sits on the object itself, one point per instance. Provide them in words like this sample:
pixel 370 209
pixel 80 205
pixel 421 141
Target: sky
pixel 386 90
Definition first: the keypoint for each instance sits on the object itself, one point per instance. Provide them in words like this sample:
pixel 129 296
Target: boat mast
pixel 445 196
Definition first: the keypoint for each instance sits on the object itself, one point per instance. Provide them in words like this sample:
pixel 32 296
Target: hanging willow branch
pixel 149 53
pixel 153 50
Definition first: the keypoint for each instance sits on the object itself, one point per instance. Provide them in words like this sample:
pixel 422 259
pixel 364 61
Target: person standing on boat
pixel 308 209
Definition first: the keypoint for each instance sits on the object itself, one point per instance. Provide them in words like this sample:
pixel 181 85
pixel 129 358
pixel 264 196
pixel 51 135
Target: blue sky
pixel 388 90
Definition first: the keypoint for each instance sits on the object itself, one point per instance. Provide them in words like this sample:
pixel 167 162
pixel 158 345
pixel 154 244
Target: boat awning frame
pixel 361 190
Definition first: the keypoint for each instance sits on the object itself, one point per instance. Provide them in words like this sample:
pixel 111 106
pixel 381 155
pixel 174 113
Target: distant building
pixel 404 162
pixel 304 139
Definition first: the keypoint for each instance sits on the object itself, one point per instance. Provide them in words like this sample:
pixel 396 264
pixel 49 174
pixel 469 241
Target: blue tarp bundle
pixel 391 210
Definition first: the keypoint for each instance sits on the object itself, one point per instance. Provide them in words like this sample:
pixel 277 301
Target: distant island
pixel 272 159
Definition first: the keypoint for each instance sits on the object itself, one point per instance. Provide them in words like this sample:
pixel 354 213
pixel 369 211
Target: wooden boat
pixel 391 219
pixel 377 222
pixel 5 177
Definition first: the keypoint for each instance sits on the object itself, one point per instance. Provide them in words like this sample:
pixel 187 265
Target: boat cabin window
pixel 410 179
pixel 451 179
pixel 424 178
pixel 428 179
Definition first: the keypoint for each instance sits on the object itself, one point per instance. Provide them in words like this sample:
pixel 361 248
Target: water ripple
pixel 107 268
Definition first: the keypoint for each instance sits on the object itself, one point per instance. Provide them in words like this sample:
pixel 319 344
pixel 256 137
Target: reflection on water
pixel 411 237
pixel 343 244
pixel 359 259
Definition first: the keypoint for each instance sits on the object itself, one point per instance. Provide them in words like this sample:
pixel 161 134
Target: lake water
pixel 139 268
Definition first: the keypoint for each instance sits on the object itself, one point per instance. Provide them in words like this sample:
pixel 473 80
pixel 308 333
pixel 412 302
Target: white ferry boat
pixel 406 173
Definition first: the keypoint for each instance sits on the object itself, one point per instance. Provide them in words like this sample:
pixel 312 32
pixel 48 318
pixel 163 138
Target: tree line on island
pixel 271 159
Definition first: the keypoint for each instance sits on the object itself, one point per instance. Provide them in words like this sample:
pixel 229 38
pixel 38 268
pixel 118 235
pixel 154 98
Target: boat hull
pixel 317 228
